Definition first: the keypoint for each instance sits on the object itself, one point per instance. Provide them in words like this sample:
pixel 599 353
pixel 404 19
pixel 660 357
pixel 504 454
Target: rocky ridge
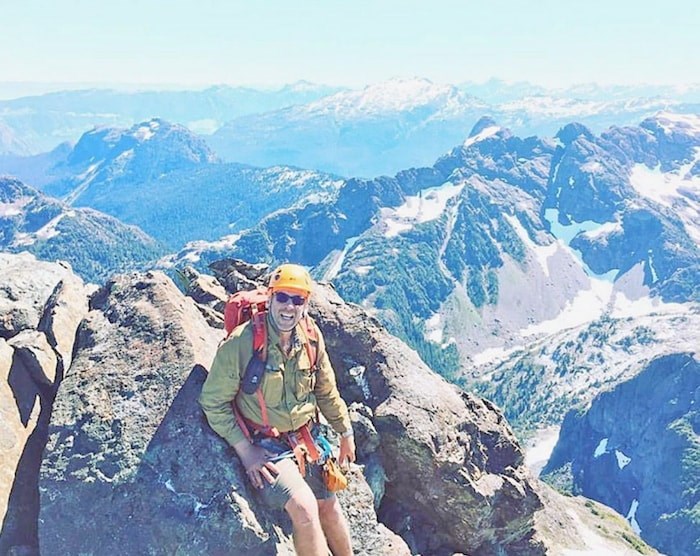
pixel 592 224
pixel 49 228
pixel 127 440
pixel 163 178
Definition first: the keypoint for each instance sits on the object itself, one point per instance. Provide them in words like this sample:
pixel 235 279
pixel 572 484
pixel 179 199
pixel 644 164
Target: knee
pixel 303 509
pixel 329 510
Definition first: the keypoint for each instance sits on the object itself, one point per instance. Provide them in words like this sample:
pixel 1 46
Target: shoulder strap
pixel 260 335
pixel 311 341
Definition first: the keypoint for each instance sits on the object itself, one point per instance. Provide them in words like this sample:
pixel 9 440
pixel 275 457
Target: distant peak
pixel 570 132
pixel 301 85
pixel 483 129
pixel 669 122
pixel 483 123
pixel 394 95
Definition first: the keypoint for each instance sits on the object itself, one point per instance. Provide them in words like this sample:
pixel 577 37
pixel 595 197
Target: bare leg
pixel 335 527
pixel 308 534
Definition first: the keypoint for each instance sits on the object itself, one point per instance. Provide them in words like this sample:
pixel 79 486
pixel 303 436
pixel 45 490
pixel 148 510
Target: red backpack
pixel 241 307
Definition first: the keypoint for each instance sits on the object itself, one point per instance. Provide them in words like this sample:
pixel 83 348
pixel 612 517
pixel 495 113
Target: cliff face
pixel 41 306
pixel 131 467
pixel 637 450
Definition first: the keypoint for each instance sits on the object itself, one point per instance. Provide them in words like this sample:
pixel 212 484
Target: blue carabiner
pixel 325 446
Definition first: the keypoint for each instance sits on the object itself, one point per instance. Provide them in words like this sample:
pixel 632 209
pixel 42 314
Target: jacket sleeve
pixel 328 398
pixel 220 389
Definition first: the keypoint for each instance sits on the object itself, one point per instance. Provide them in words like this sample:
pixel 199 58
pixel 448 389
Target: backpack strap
pixel 311 343
pixel 260 359
pixel 259 335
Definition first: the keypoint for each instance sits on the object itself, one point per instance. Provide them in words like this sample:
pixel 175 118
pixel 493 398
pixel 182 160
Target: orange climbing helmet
pixel 291 277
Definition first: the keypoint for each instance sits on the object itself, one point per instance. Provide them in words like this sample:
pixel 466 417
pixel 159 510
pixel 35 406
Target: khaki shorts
pixel 289 480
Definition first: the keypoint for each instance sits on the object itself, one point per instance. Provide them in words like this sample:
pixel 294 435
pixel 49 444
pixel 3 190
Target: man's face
pixel 287 307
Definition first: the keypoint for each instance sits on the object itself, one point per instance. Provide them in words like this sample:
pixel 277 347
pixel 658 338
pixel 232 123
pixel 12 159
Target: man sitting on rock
pixel 270 420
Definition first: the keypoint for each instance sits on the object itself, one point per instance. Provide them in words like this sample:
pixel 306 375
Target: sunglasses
pixel 283 298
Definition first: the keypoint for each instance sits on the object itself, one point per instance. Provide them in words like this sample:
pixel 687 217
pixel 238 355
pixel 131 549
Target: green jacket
pixel 291 390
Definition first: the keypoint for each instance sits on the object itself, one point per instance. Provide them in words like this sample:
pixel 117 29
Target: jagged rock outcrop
pixel 637 450
pixel 455 480
pixel 41 306
pixel 128 441
pixel 209 295
pixel 131 466
pixel 236 275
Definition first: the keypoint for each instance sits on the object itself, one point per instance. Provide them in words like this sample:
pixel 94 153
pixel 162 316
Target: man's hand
pixel 347 450
pixel 257 467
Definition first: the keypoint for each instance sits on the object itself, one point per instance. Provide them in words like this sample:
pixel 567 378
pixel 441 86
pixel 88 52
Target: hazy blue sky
pixel 260 42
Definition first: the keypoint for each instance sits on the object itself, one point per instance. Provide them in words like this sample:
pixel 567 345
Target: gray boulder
pixel 208 294
pixel 26 285
pixel 41 305
pixel 455 475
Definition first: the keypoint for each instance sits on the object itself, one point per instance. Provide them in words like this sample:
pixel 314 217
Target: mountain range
pixel 43 121
pixel 404 123
pixel 94 243
pixel 587 223
pixel 542 272
pixel 380 129
pixel 164 179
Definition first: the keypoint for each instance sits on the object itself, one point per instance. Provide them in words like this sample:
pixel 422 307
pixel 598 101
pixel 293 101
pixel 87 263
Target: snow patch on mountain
pixel 622 459
pixel 83 182
pixel 541 252
pixel 626 298
pixel 428 205
pixel 435 331
pixel 603 230
pixel 632 517
pixel 592 167
pixel 90 171
pixel 673 121
pixel 45 232
pixel 15 207
pixel 276 177
pixel 337 259
pixel 433 328
pixel 587 306
pixel 483 134
pixel 396 95
pixel 679 190
pixel 146 131
pixel 492 354
pixel 192 252
pixel 601 448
